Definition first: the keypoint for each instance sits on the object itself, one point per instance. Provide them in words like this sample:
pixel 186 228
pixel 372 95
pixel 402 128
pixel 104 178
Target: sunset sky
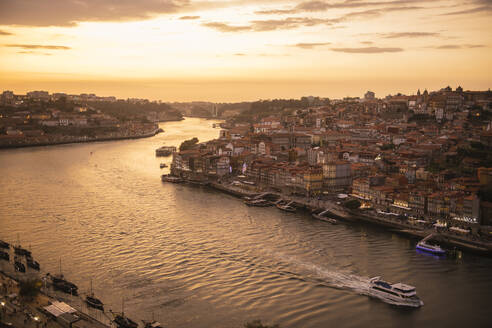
pixel 180 50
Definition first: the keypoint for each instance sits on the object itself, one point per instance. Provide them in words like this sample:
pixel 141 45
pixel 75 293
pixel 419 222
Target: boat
pixel 4 256
pixel 165 151
pixel 329 220
pixel 151 324
pixel 21 251
pixel 286 207
pixel 32 263
pixel 258 203
pixel 397 294
pixel 59 283
pixel 321 216
pixel 20 267
pixel 121 320
pixel 163 165
pixel 124 322
pixel 170 178
pixel 94 302
pixel 426 246
pixel 4 244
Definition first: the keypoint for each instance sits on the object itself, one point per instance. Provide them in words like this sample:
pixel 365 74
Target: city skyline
pixel 244 50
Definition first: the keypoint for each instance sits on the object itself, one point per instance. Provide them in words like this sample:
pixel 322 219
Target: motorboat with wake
pixel 397 294
pixel 426 246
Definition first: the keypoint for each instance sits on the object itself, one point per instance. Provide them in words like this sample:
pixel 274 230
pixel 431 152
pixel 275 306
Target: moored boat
pixel 170 178
pixel 397 294
pixel 151 324
pixel 94 302
pixel 32 264
pixel 258 203
pixel 59 283
pixel 19 266
pixel 286 207
pixel 124 322
pixel 163 165
pixel 4 256
pixel 426 246
pixel 4 244
pixel 430 248
pixel 21 251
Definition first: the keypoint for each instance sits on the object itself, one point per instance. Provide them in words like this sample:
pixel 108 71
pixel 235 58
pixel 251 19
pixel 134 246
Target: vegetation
pixel 258 324
pixel 264 108
pixel 188 144
pixel 352 204
pixel 29 289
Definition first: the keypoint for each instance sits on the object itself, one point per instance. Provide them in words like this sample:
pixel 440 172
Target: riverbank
pixel 453 241
pixel 30 313
pixel 62 140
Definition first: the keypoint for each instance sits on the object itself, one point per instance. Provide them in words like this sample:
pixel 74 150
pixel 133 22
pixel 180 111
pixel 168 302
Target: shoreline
pixel 351 216
pixel 88 140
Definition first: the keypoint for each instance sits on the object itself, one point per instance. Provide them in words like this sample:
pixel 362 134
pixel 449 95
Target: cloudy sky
pixel 231 50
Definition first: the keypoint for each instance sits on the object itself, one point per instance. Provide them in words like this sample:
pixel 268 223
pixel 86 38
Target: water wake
pixel 337 279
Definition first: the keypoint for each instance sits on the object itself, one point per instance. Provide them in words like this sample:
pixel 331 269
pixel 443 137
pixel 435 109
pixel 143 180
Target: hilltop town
pixel 41 118
pixel 425 158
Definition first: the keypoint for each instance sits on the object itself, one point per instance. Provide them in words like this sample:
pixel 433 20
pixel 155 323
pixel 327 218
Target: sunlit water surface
pixel 194 257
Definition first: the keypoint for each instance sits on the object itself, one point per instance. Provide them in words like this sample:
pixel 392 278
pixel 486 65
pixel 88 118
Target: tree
pixel 352 204
pixel 29 289
pixel 188 144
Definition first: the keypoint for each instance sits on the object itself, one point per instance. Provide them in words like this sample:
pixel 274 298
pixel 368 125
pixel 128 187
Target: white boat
pixel 425 246
pixel 397 294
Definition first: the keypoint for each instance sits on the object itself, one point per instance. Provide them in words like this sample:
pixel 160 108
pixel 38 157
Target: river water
pixel 193 257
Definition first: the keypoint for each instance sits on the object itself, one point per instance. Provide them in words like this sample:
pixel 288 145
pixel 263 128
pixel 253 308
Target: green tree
pixel 352 204
pixel 188 144
pixel 29 289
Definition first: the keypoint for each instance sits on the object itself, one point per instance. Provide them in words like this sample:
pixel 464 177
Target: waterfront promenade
pixel 29 313
pixel 412 228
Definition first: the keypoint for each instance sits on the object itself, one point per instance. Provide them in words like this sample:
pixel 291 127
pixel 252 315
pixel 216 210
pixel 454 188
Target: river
pixel 193 257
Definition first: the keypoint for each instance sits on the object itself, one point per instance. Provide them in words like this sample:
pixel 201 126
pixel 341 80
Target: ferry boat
pixel 426 247
pixel 398 294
